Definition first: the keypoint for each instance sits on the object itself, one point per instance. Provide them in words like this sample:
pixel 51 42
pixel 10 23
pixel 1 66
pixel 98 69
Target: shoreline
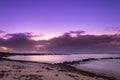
pixel 107 74
pixel 86 72
pixel 44 71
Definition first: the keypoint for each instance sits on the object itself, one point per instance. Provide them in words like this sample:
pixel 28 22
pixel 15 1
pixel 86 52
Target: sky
pixel 39 21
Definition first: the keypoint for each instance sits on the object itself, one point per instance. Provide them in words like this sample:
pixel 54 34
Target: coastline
pixel 98 67
pixel 107 74
pixel 27 70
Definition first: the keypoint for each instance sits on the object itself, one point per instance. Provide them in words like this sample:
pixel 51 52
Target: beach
pixel 27 70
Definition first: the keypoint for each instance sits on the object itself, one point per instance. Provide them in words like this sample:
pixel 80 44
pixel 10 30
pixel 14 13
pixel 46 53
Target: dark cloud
pixel 23 42
pixel 67 43
pixel 20 35
pixel 73 34
pixel 20 41
pixel 2 41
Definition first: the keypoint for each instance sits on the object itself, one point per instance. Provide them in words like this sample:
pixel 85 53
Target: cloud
pixel 21 42
pixel 2 41
pixel 20 35
pixel 82 43
pixel 1 32
pixel 66 43
pixel 73 33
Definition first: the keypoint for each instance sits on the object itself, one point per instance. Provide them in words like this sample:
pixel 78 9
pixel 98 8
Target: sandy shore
pixel 22 70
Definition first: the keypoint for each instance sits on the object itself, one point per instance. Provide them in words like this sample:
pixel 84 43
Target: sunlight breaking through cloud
pixel 3 48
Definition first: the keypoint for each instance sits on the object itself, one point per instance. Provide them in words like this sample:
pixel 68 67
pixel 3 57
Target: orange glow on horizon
pixel 3 48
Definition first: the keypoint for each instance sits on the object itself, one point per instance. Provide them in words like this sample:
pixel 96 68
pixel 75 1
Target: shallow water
pixel 104 66
pixel 107 65
pixel 61 58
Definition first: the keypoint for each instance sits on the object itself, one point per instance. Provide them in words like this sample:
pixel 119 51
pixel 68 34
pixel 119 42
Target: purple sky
pixel 49 18
pixel 54 17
